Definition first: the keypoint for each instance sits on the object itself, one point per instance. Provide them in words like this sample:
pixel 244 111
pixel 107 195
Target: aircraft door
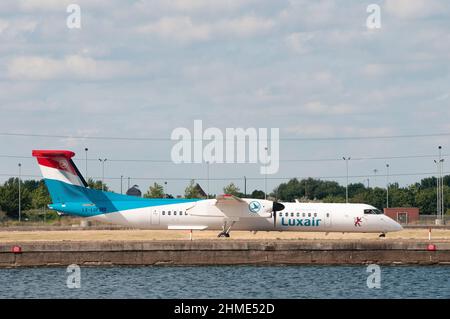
pixel 155 217
pixel 327 220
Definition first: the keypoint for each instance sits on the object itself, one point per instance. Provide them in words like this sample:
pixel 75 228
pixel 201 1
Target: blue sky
pixel 142 68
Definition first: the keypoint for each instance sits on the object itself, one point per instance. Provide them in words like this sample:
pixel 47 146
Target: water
pixel 228 282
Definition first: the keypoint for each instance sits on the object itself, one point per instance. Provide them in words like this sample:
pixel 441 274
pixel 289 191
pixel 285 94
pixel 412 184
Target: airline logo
pixel 358 221
pixel 64 165
pixel 301 222
pixel 254 207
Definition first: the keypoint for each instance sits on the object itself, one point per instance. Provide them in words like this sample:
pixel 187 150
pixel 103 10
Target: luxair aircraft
pixel 70 195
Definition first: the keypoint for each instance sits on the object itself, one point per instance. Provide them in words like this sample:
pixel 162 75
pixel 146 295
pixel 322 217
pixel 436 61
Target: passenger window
pixel 163 213
pixel 281 214
pixel 168 213
pixel 328 214
pixel 292 214
pixel 309 214
pixel 304 215
pixel 315 214
pixel 298 214
pixel 286 214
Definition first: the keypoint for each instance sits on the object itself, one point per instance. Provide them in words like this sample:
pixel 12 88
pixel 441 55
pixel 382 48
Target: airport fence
pixel 429 220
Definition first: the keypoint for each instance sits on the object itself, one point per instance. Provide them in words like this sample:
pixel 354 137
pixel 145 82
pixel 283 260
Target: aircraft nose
pixel 391 224
pixel 394 226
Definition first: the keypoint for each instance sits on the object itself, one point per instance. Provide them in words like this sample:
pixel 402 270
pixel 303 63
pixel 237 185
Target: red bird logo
pixel 358 221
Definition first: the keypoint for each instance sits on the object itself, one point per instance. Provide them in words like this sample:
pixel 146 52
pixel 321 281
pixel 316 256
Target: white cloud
pixel 299 42
pixel 177 28
pixel 14 27
pixel 333 129
pixel 244 26
pixel 185 29
pixel 410 9
pixel 73 66
pixel 319 108
pixel 374 70
pixel 58 5
pixel 207 5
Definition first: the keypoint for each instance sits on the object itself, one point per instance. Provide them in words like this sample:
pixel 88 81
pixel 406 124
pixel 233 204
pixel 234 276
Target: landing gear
pixel 226 230
pixel 222 234
pixel 382 235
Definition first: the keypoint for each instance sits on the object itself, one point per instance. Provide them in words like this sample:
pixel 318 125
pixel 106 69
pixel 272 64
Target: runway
pixel 144 247
pixel 88 234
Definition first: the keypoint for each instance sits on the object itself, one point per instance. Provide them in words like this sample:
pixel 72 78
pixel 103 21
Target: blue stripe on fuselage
pixel 86 202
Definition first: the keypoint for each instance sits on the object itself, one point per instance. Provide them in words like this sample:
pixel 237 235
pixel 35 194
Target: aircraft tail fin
pixel 61 175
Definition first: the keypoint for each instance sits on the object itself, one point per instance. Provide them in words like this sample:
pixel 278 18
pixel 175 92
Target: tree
pixel 97 185
pixel 290 191
pixel 258 194
pixel 40 196
pixel 155 191
pixel 192 191
pixel 9 197
pixel 232 189
pixel 426 201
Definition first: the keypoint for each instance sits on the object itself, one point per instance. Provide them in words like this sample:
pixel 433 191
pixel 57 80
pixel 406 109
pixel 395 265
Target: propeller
pixel 275 208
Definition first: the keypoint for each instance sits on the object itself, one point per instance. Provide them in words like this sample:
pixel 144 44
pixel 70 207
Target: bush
pixel 2 216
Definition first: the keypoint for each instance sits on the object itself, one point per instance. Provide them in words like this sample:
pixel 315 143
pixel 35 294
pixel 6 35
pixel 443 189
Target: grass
pixel 136 235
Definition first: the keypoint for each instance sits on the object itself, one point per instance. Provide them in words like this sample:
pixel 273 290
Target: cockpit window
pixel 373 211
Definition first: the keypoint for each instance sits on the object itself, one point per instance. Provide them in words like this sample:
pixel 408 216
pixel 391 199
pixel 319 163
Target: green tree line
pixel 34 194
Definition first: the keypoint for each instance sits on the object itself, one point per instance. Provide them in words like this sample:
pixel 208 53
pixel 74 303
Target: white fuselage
pixel 204 214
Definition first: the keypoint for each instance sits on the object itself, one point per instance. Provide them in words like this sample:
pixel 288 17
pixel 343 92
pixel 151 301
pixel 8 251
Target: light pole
pixel 442 191
pixel 245 186
pixel 86 163
pixel 387 185
pixel 438 189
pixel 441 161
pixel 375 171
pixel 103 172
pixel 165 189
pixel 207 179
pixel 346 159
pixel 129 181
pixel 20 204
pixel 121 188
pixel 265 174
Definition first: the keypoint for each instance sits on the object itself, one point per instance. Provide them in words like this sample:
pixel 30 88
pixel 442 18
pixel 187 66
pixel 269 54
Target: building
pixel 403 215
pixel 134 191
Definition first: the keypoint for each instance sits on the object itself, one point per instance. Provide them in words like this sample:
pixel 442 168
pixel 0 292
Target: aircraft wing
pixel 229 199
pixel 233 206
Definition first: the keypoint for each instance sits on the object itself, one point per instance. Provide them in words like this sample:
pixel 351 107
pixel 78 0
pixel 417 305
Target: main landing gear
pixel 223 234
pixel 226 230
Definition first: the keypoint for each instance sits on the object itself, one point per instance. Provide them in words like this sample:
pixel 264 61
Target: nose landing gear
pixel 382 235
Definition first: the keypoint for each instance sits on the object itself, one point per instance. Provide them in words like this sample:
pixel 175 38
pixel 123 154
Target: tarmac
pixel 39 248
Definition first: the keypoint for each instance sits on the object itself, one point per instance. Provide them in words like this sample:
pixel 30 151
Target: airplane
pixel 71 195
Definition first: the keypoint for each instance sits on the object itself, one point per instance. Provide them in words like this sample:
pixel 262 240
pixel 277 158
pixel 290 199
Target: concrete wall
pixel 222 252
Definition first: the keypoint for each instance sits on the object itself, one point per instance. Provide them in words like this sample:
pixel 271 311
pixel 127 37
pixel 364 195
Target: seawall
pixel 222 252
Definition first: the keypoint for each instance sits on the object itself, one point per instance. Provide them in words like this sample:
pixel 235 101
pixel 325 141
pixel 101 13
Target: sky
pixel 140 69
